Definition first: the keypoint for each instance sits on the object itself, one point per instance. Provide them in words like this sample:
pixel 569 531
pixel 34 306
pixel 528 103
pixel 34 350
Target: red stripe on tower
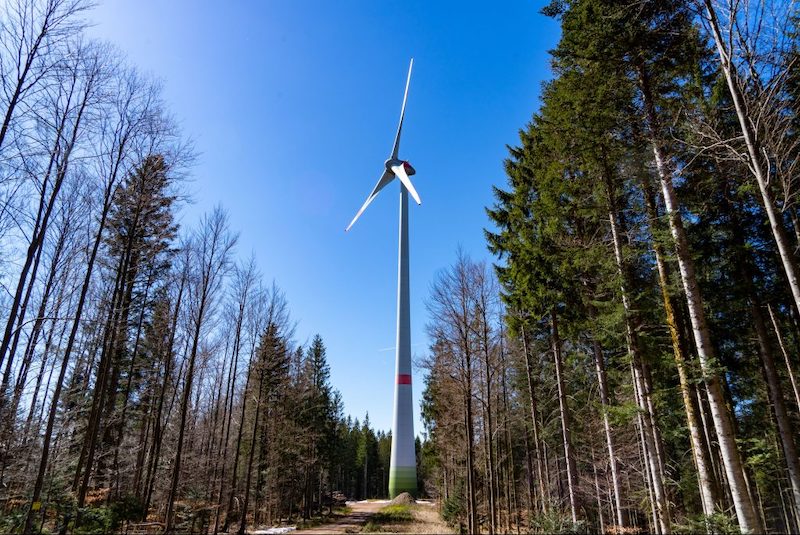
pixel 403 379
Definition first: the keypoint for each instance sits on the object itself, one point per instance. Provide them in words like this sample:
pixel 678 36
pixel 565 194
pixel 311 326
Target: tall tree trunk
pixel 785 428
pixel 746 270
pixel 237 451
pixel 723 424
pixel 597 494
pixel 700 452
pixel 755 160
pixel 229 391
pixel 187 392
pixel 489 431
pixel 39 483
pixel 785 353
pixel 60 160
pixel 158 427
pixel 80 482
pixel 127 391
pixel 39 322
pixel 632 338
pixel 243 521
pixel 488 471
pixel 566 431
pixel 543 492
pixel 144 437
pixel 529 464
pixel 474 527
pixel 600 368
pixel 651 455
pixel 512 506
pixel 647 467
pixel 43 366
pixel 23 309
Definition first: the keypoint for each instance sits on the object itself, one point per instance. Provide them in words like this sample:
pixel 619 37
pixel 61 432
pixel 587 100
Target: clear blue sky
pixel 293 106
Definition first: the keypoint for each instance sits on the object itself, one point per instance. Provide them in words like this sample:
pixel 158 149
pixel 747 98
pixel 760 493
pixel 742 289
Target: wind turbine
pixel 403 465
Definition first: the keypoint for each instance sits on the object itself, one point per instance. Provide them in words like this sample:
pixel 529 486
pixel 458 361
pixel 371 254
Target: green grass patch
pixel 393 514
pixel 342 511
pixel 371 527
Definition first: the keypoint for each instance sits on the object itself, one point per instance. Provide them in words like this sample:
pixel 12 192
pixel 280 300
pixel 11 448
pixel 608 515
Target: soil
pixel 352 523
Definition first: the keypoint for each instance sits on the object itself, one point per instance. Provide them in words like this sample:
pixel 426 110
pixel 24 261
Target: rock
pixel 403 499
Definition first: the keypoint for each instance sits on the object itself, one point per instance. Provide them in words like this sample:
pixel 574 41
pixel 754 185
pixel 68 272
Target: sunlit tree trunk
pixel 648 418
pixel 723 424
pixel 483 310
pixel 159 422
pixel 755 161
pixel 40 319
pixel 700 453
pixel 785 353
pixel 48 435
pixel 543 492
pixel 566 431
pixel 212 247
pixel 602 383
pixel 251 456
pixel 245 281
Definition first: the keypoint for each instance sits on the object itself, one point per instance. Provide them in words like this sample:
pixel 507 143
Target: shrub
pixel 453 509
pixel 371 527
pixel 128 507
pixel 718 523
pixel 11 521
pixel 555 521
pixel 94 521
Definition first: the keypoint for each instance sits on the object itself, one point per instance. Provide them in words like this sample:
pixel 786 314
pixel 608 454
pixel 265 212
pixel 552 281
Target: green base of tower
pixel 402 479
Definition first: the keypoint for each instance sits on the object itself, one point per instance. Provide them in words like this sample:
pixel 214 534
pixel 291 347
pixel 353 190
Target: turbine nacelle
pixel 392 162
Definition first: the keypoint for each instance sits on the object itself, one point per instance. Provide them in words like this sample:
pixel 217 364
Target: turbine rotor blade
pixel 400 172
pixel 385 178
pixel 396 146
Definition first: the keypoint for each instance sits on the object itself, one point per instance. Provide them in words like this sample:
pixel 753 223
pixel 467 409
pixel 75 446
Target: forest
pixel 624 363
pixel 149 374
pixel 632 366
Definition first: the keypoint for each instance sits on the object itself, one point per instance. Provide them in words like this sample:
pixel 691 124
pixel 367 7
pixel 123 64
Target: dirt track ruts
pixel 352 522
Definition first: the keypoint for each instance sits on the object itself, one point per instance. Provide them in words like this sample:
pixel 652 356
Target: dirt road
pixel 359 515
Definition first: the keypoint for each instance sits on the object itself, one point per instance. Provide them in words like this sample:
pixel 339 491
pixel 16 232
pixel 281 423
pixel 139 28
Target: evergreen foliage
pixel 594 298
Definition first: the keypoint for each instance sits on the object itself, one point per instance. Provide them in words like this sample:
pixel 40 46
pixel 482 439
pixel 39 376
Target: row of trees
pixel 146 374
pixel 640 372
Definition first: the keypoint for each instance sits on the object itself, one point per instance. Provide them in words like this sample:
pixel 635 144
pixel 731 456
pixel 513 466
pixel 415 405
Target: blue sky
pixel 293 106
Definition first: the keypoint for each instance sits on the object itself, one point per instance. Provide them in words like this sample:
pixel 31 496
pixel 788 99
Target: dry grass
pixel 96 496
pixel 425 519
pixel 623 530
pixel 428 520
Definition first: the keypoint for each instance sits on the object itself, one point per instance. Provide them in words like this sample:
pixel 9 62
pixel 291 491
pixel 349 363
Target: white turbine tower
pixel 403 467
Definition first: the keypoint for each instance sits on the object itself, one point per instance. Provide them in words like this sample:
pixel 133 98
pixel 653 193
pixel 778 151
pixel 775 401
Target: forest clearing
pixel 380 516
pixel 187 347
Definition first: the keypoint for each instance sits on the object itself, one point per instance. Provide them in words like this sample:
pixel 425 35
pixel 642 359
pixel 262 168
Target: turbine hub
pixel 410 171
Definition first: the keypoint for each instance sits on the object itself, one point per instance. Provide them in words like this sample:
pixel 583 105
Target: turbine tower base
pixel 402 479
